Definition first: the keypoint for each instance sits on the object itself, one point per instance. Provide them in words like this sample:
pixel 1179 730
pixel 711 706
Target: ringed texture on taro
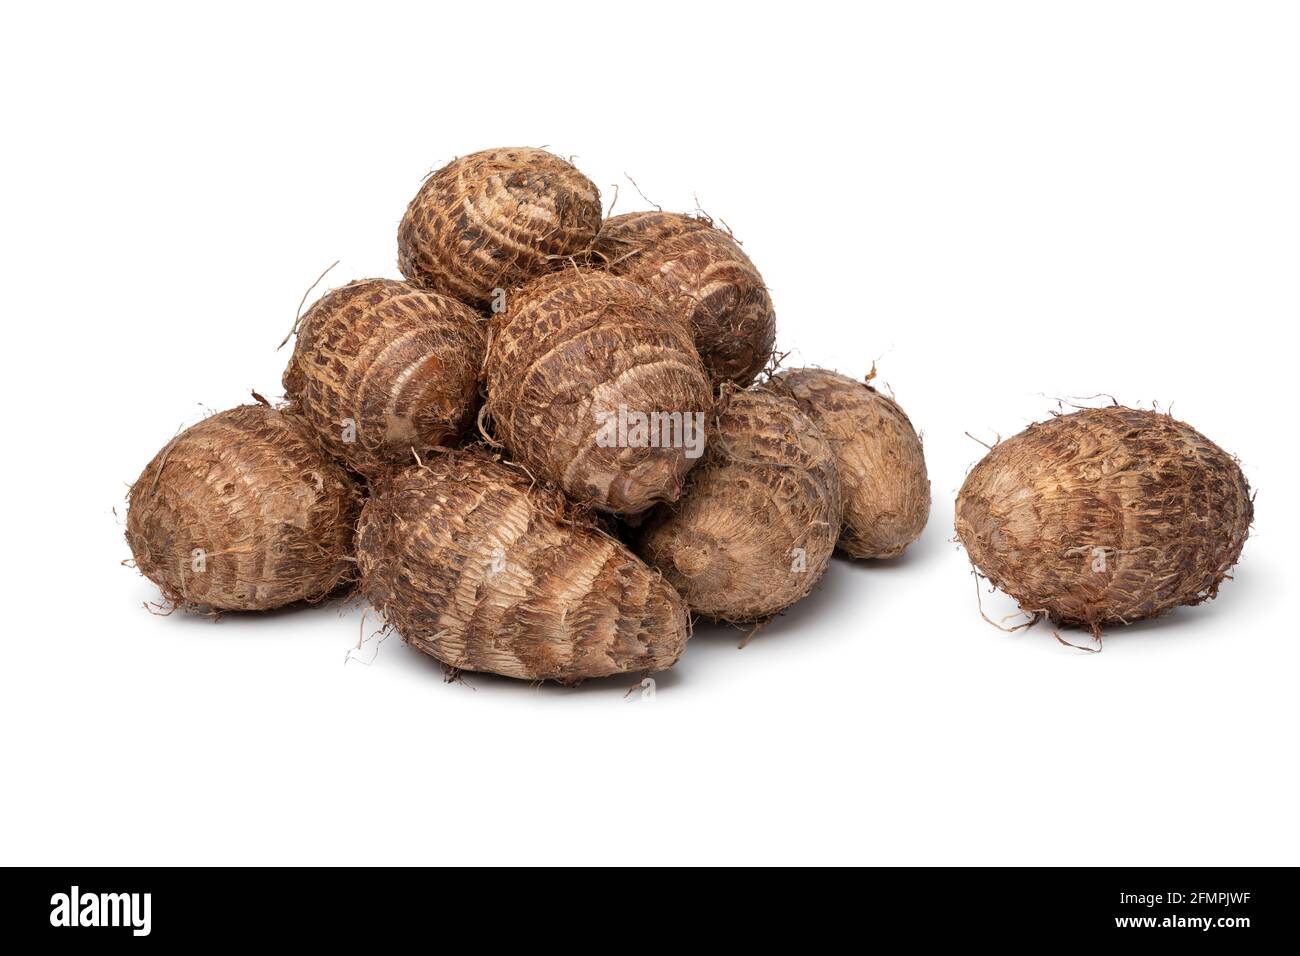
pixel 478 566
pixel 879 456
pixel 494 219
pixel 243 512
pixel 381 369
pixel 757 524
pixel 707 280
pixel 1105 516
pixel 594 386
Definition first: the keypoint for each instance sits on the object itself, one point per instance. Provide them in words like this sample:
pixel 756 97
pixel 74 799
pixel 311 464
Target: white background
pixel 1000 204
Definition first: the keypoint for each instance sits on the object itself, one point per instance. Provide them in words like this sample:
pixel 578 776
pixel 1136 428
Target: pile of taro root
pixel 560 438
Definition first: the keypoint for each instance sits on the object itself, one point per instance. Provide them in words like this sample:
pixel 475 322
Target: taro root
pixel 475 564
pixel 881 464
pixel 494 219
pixel 1105 516
pixel 243 512
pixel 757 524
pixel 706 278
pixel 594 386
pixel 381 368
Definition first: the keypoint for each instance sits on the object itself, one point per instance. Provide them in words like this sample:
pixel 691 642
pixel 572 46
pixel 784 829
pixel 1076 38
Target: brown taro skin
pixel 575 347
pixel 881 463
pixel 756 526
pixel 243 512
pixel 708 280
pixel 381 369
pixel 1105 516
pixel 494 219
pixel 478 566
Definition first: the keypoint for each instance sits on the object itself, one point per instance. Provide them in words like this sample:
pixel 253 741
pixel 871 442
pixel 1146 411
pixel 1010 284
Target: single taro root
pixel 381 368
pixel 757 524
pixel 707 279
pixel 494 219
pixel 594 386
pixel 243 512
pixel 881 464
pixel 475 565
pixel 1105 516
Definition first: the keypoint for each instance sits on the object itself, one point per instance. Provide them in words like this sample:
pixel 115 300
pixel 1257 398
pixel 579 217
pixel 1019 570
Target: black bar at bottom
pixel 133 907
